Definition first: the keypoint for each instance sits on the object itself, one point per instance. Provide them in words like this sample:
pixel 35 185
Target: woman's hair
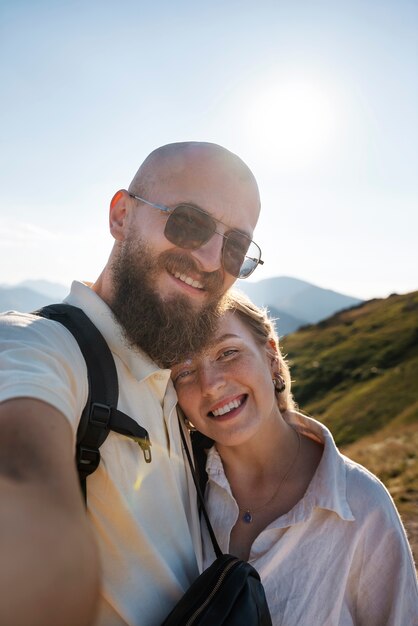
pixel 263 330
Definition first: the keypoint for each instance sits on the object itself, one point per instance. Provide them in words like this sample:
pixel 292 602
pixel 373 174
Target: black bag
pixel 228 593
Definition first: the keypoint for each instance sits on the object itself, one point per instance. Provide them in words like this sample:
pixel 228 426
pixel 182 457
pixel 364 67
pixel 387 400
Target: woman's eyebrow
pixel 227 336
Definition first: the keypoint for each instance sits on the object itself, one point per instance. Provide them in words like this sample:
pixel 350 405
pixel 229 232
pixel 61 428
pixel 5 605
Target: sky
pixel 320 98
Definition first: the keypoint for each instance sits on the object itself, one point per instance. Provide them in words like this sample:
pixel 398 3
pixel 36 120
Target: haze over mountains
pixel 30 295
pixel 294 302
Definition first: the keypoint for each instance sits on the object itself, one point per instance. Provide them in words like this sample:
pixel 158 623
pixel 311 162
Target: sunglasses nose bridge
pixel 234 264
pixel 210 253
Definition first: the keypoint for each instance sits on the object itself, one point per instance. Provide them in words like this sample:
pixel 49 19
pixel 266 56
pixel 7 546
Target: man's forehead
pixel 174 159
pixel 204 175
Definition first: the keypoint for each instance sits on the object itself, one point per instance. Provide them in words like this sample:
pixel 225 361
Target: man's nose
pixel 209 256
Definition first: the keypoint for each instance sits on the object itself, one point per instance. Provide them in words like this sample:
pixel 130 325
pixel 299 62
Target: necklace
pixel 247 514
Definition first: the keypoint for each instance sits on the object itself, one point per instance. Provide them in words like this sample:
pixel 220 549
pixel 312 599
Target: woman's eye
pixel 182 376
pixel 228 353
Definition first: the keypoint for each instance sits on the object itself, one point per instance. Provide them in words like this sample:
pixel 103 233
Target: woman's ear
pixel 273 354
pixel 273 345
pixel 117 214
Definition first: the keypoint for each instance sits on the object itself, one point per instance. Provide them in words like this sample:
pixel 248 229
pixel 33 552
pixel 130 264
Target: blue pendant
pixel 247 517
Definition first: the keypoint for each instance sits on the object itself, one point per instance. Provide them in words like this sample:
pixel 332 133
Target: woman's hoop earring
pixel 189 425
pixel 279 383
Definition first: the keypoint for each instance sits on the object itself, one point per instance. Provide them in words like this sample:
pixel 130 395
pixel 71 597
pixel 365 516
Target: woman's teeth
pixel 227 408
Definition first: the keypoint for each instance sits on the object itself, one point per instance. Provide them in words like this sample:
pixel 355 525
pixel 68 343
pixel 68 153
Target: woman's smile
pixel 228 408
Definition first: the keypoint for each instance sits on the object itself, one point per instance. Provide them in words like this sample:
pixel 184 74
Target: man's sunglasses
pixel 190 228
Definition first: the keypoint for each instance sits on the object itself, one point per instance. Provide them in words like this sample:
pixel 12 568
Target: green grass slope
pixel 358 370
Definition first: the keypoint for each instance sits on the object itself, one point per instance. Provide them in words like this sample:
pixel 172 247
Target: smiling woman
pixel 279 493
pixel 293 120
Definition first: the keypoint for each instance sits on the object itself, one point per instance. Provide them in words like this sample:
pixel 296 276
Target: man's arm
pixel 49 566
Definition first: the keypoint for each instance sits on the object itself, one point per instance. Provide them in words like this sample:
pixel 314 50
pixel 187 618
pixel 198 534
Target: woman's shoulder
pixel 366 493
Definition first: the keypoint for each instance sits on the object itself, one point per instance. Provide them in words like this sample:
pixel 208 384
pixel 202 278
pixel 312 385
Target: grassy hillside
pixel 357 372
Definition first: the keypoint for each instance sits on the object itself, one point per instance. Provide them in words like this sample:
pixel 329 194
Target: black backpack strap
pixel 200 496
pixel 200 443
pixel 100 415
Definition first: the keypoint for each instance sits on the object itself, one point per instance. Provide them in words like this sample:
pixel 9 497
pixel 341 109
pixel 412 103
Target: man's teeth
pixel 228 407
pixel 188 280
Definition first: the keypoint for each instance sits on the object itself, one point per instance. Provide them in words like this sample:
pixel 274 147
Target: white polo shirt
pixel 339 557
pixel 144 515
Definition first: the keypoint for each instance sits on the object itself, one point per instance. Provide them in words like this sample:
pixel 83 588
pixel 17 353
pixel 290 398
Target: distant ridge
pixel 52 290
pixel 285 323
pixel 30 295
pixel 296 301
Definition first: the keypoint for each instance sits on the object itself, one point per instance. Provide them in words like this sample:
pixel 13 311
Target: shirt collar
pixel 328 487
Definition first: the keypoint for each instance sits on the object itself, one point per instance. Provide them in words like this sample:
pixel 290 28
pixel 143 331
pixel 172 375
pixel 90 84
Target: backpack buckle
pixel 88 459
pixel 100 414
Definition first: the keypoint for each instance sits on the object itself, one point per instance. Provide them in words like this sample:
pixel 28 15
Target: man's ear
pixel 118 212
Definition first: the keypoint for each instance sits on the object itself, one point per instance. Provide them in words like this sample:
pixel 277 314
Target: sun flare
pixel 293 120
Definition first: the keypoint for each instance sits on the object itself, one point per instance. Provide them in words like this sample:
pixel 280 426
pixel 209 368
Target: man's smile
pixel 188 280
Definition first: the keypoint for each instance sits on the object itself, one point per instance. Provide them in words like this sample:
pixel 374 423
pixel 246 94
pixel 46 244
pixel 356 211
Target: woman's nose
pixel 211 380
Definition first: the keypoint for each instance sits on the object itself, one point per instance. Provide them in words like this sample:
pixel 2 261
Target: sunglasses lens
pixel 251 260
pixel 240 255
pixel 189 228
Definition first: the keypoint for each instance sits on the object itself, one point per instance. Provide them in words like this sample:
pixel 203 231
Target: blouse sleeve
pixel 383 576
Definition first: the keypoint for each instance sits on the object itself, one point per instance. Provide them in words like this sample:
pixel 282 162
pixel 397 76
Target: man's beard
pixel 167 330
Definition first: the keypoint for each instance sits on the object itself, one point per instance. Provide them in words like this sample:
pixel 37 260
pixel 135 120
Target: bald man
pixel 182 236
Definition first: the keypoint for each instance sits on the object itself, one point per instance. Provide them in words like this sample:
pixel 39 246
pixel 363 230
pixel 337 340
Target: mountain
pixel 21 299
pixel 285 323
pixel 52 290
pixel 357 372
pixel 30 295
pixel 304 302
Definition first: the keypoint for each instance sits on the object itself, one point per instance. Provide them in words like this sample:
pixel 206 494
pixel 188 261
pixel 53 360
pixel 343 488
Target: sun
pixel 294 120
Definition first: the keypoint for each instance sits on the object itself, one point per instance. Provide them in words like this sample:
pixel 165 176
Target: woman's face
pixel 226 391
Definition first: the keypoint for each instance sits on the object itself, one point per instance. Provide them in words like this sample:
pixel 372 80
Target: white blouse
pixel 340 557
